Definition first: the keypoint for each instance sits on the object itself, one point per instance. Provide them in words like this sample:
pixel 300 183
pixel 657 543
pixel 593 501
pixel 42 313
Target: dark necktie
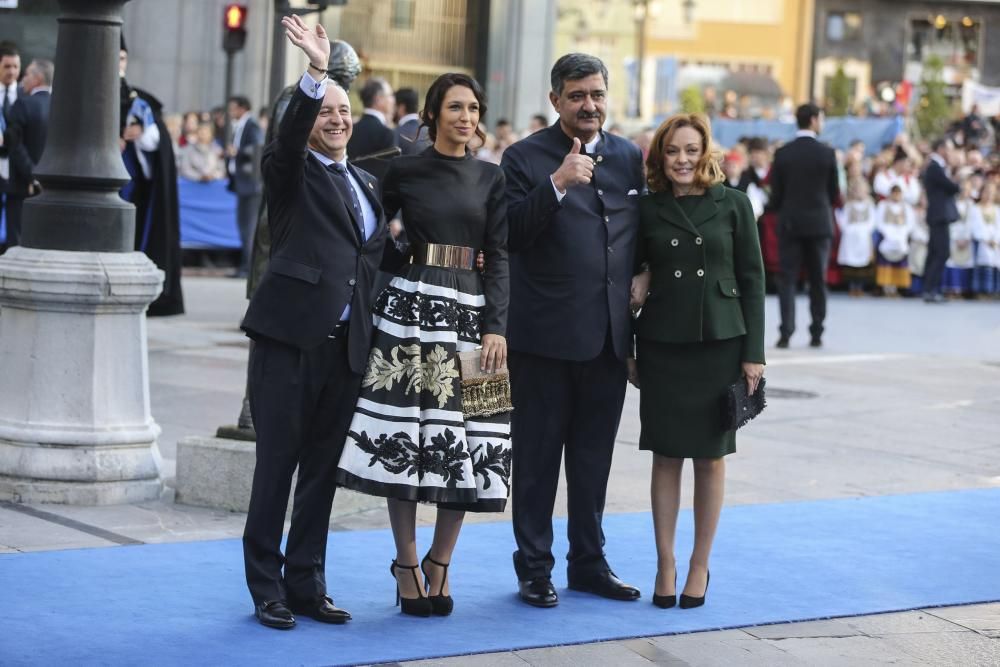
pixel 340 171
pixel 6 101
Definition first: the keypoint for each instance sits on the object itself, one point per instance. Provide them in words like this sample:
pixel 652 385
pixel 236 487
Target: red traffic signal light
pixel 235 15
pixel 234 34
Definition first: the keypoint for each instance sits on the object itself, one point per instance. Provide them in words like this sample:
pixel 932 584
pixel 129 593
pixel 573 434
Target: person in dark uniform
pixel 941 212
pixel 148 155
pixel 411 438
pixel 701 329
pixel 805 189
pixel 24 140
pixel 310 323
pixel 572 206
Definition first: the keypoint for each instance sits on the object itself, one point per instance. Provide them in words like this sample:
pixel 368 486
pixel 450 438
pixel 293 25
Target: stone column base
pixel 75 424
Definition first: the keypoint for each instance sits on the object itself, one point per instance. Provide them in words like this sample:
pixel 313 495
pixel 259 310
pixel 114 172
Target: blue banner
pixel 838 132
pixel 208 215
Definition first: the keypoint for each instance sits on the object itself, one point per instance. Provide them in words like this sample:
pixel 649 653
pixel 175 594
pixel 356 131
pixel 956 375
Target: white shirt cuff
pixel 311 87
pixel 559 195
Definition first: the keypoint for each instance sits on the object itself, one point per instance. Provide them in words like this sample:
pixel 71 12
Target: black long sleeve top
pixel 455 201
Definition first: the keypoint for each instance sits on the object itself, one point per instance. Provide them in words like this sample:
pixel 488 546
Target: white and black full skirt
pixel 408 438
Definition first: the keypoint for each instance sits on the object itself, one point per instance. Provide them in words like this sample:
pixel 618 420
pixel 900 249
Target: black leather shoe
pixel 538 592
pixel 607 585
pixel 816 341
pixel 782 343
pixel 321 610
pixel 274 614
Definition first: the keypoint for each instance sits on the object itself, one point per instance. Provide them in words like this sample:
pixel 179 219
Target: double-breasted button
pixel 734 290
pixel 352 282
pixel 699 240
pixel 600 192
pixel 677 273
pixel 674 242
pixel 610 250
pixel 607 218
pixel 610 281
pixel 600 158
pixel 701 272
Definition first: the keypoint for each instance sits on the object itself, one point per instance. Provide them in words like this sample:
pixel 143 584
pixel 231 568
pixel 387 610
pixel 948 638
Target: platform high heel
pixel 419 606
pixel 441 604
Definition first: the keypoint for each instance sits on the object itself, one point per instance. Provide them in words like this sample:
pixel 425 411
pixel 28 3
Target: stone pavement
pixel 903 398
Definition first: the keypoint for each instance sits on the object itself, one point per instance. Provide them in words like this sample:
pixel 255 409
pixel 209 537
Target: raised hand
pixel 314 43
pixel 576 169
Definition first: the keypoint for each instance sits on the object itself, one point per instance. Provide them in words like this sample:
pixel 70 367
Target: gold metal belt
pixel 445 256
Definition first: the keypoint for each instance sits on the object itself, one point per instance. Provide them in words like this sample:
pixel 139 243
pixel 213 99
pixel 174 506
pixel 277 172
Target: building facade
pixel 756 52
pixel 883 45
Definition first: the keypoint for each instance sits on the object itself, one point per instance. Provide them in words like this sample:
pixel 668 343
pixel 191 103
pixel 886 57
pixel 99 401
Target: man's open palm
pixel 314 43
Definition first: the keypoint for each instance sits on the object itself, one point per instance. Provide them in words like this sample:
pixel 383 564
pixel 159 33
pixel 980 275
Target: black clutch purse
pixel 738 408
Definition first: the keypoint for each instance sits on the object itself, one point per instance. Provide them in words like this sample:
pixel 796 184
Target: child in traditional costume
pixel 894 221
pixel 857 227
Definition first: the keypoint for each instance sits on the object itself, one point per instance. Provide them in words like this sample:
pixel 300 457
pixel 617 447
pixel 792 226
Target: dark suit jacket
pixel 571 262
pixel 719 240
pixel 941 191
pixel 24 138
pixel 245 179
pixel 318 264
pixel 411 138
pixel 805 188
pixel 370 136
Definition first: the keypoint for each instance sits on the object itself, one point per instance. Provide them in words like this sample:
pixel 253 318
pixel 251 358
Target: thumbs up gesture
pixel 576 169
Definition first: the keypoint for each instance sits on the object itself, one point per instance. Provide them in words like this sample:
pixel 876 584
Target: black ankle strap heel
pixel 442 605
pixel 418 606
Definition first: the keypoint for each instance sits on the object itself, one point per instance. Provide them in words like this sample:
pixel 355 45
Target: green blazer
pixel 708 274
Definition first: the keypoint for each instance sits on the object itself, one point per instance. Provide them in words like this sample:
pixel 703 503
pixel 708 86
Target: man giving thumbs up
pixel 572 206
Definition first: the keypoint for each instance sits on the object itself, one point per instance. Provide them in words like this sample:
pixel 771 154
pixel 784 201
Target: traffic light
pixel 234 33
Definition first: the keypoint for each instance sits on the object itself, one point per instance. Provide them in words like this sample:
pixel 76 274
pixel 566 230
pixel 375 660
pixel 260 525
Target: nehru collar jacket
pixel 571 259
pixel 707 271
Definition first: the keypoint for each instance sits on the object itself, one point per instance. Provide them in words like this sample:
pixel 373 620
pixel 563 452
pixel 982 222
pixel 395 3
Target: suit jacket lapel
pixel 708 206
pixel 345 197
pixel 672 212
pixel 368 185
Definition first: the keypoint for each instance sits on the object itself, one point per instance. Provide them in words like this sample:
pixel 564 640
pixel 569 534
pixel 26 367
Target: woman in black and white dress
pixel 408 440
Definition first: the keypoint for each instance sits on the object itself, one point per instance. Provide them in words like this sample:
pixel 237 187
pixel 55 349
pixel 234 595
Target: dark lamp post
pixel 81 169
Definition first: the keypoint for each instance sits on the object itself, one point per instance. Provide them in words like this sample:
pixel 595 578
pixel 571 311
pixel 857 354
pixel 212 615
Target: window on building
pixel 956 40
pixel 403 14
pixel 843 26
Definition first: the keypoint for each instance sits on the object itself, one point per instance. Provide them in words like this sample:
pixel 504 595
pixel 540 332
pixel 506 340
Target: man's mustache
pixel 587 115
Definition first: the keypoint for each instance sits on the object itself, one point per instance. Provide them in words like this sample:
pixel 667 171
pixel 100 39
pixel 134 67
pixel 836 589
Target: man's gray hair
pixel 45 68
pixel 576 66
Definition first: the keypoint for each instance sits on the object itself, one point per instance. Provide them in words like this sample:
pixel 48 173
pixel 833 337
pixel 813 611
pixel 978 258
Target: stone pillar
pixel 75 424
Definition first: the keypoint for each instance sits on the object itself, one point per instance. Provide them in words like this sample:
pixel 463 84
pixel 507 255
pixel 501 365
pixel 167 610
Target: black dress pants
pixel 938 249
pixel 247 209
pixel 571 409
pixel 13 205
pixel 793 253
pixel 302 402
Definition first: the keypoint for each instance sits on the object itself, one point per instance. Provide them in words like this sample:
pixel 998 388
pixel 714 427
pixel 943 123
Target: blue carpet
pixel 173 604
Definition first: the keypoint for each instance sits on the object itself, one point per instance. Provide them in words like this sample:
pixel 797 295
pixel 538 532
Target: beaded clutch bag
pixel 738 408
pixel 483 394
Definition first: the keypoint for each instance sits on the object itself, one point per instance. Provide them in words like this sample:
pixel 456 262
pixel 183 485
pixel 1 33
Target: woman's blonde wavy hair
pixel 707 172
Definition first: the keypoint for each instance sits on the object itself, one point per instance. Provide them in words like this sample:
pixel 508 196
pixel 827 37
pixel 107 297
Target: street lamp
pixel 75 423
pixel 642 10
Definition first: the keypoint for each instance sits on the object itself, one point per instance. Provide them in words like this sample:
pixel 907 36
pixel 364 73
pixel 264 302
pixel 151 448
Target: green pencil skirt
pixel 682 386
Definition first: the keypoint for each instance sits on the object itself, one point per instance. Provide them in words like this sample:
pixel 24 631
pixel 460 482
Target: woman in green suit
pixel 701 329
